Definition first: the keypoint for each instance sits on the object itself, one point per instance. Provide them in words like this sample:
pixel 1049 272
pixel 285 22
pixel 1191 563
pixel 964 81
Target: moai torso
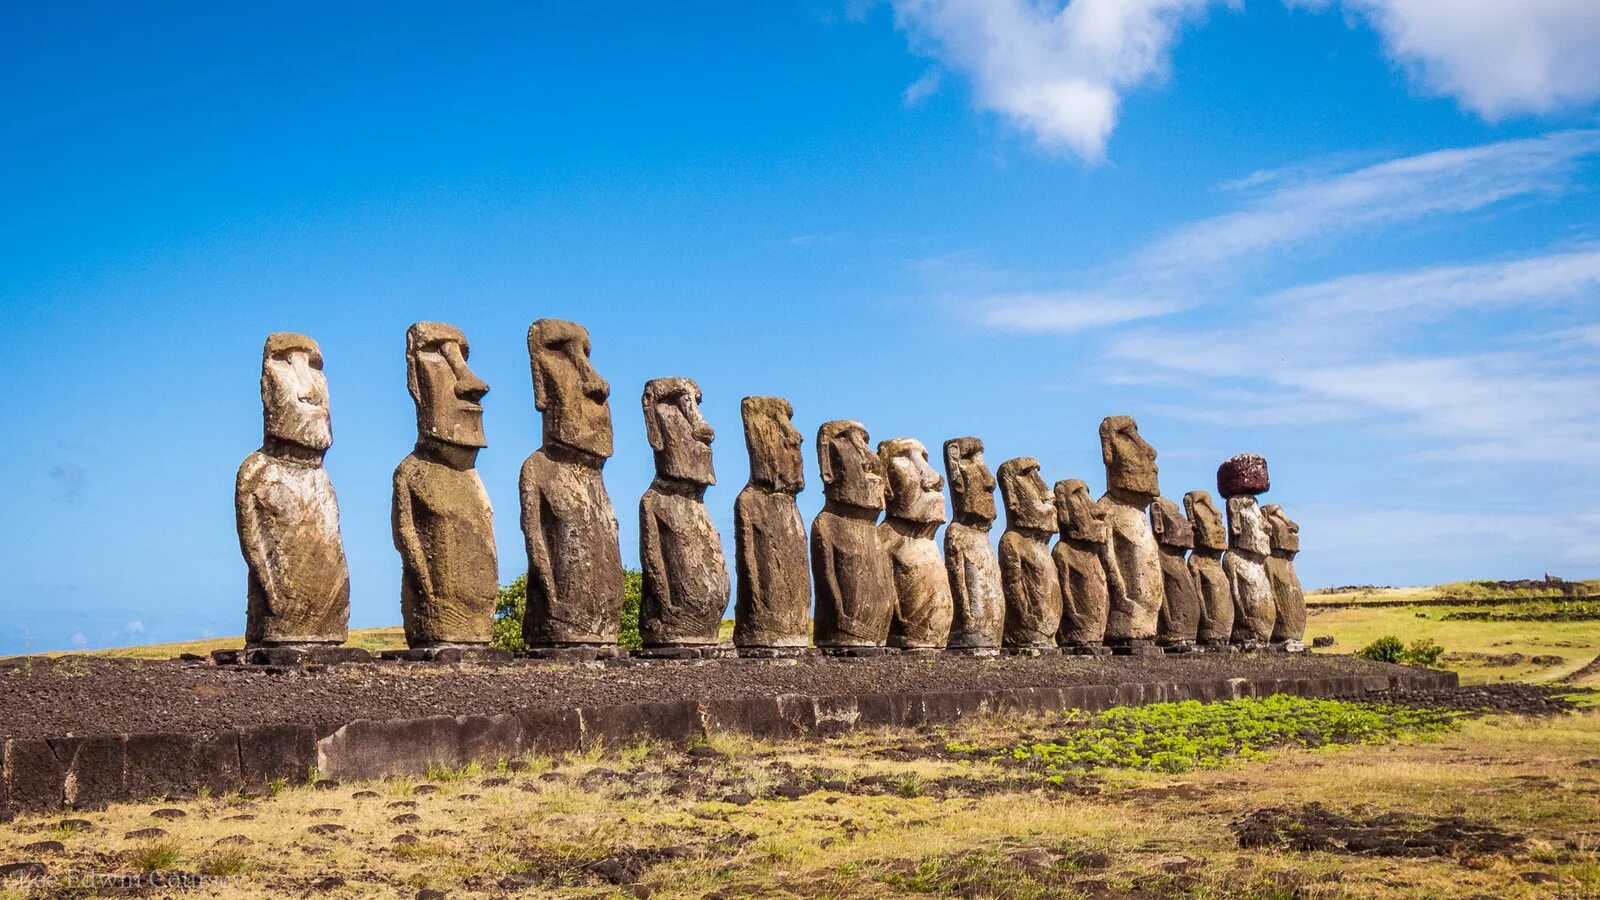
pixel 851 572
pixel 298 586
pixel 1134 561
pixel 773 601
pixel 1240 479
pixel 1284 536
pixel 1205 566
pixel 1080 565
pixel 443 526
pixel 1179 621
pixel 1027 573
pixel 914 510
pixel 685 584
pixel 978 603
pixel 568 525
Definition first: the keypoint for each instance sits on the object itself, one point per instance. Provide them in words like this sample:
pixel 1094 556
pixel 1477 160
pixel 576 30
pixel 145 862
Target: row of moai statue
pixel 1131 572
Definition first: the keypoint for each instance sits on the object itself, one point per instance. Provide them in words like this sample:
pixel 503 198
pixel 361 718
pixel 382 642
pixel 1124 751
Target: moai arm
pixel 650 558
pixel 406 539
pixel 247 513
pixel 955 563
pixel 540 571
pixel 749 561
pixel 1011 575
pixel 1115 586
pixel 828 580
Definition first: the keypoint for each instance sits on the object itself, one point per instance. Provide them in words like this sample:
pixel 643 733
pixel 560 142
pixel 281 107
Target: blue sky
pixel 1357 237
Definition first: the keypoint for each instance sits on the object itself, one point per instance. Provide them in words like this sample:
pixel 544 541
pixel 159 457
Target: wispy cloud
pixel 926 85
pixel 1064 312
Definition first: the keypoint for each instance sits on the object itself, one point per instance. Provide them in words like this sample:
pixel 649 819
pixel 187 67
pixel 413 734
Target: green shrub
pixel 513 600
pixel 1423 652
pixel 1387 649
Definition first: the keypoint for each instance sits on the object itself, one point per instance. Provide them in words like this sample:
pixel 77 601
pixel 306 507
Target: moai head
pixel 851 473
pixel 678 433
pixel 1209 532
pixel 446 392
pixel 567 390
pixel 1170 525
pixel 774 444
pixel 1130 461
pixel 971 482
pixel 1247 527
pixel 1029 504
pixel 1282 532
pixel 1243 475
pixel 294 392
pixel 914 492
pixel 1077 515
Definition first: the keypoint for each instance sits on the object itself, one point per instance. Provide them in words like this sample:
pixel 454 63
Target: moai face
pixel 851 473
pixel 678 433
pixel 567 390
pixel 1029 503
pixel 1247 527
pixel 294 392
pixel 1170 525
pixel 446 392
pixel 1282 532
pixel 774 444
pixel 1130 462
pixel 915 491
pixel 1077 515
pixel 971 483
pixel 1209 533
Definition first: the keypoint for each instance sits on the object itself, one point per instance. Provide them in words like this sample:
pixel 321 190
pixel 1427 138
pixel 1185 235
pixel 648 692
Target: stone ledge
pixel 98 769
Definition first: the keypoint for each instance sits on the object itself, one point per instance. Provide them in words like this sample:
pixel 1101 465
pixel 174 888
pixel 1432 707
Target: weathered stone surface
pixel 978 615
pixel 685 585
pixel 1080 557
pixel 773 602
pixel 914 510
pixel 1254 606
pixel 288 517
pixel 568 524
pixel 1179 621
pixel 1243 474
pixel 1205 565
pixel 1133 573
pixel 1283 534
pixel 443 524
pixel 849 568
pixel 1027 573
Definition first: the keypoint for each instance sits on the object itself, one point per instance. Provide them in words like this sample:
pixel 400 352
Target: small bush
pixel 156 856
pixel 512 602
pixel 1423 652
pixel 1387 649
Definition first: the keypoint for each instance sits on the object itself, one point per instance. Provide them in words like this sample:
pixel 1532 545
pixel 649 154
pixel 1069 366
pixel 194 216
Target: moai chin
pixel 1081 556
pixel 568 524
pixel 1205 566
pixel 685 585
pixel 978 602
pixel 1178 625
pixel 443 525
pixel 1254 607
pixel 1027 573
pixel 851 572
pixel 773 601
pixel 913 512
pixel 1134 575
pixel 1283 534
pixel 298 590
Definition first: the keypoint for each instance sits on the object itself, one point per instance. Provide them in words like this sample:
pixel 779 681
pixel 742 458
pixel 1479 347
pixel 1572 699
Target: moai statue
pixel 1254 607
pixel 1178 625
pixel 1205 566
pixel 853 577
pixel 913 511
pixel 1283 534
pixel 288 517
pixel 1027 573
pixel 1134 574
pixel 773 605
pixel 574 558
pixel 1081 557
pixel 978 619
pixel 443 526
pixel 685 589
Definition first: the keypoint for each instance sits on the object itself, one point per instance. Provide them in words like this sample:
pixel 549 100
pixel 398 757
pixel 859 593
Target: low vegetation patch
pixel 1574 611
pixel 1177 737
pixel 513 600
pixel 1390 649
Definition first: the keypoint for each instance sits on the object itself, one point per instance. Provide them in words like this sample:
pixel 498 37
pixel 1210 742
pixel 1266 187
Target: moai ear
pixel 652 424
pixel 825 460
pixel 1157 520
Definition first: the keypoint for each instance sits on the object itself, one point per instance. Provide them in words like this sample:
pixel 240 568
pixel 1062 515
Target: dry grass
pixel 389 638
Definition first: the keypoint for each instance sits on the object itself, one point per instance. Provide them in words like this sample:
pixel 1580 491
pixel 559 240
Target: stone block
pixel 159 766
pixel 1245 474
pixel 269 752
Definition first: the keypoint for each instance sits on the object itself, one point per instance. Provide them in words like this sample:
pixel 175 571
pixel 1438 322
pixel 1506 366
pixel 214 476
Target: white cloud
pixel 924 87
pixel 1055 71
pixel 134 627
pixel 1065 312
pixel 79 641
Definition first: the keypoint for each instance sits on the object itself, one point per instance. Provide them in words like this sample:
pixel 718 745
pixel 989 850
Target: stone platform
pixel 141 730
